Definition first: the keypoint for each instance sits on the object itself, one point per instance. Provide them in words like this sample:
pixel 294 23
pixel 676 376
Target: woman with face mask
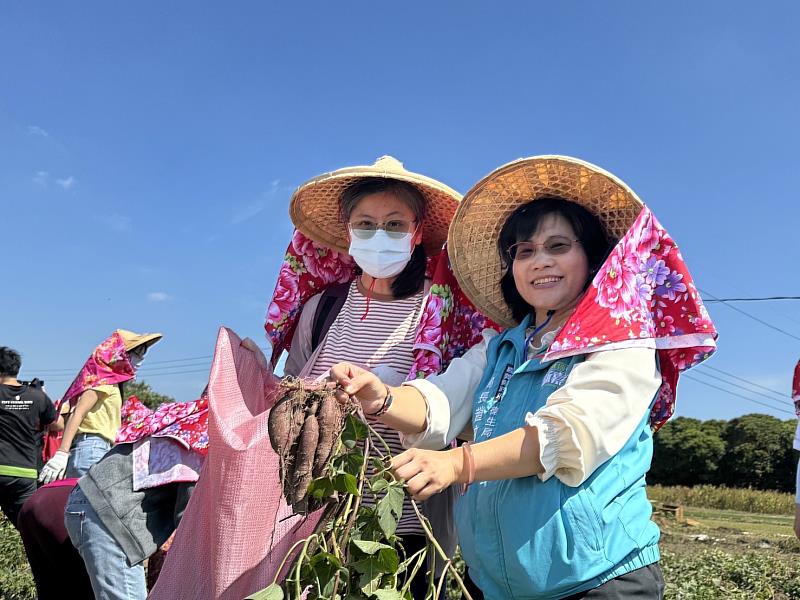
pixel 95 400
pixel 388 220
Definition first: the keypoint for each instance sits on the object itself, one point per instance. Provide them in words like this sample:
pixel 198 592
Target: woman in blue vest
pixel 556 504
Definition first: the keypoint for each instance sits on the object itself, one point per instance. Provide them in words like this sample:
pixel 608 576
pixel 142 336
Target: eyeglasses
pixel 394 229
pixel 553 246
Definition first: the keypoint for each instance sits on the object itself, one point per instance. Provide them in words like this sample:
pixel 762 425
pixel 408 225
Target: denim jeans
pixel 111 576
pixel 87 449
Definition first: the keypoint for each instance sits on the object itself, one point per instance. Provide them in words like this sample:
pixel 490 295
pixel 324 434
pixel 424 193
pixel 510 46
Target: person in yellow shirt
pixel 95 417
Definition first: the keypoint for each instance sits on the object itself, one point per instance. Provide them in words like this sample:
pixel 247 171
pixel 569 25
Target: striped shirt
pixel 385 338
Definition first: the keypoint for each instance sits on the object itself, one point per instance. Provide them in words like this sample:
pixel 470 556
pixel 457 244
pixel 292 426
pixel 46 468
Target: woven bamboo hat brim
pixel 314 208
pixel 134 340
pixel 475 230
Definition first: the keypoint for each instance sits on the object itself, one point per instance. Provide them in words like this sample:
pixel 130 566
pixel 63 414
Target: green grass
pixel 767 525
pixel 16 581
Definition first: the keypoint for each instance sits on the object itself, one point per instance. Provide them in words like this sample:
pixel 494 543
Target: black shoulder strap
pixel 328 308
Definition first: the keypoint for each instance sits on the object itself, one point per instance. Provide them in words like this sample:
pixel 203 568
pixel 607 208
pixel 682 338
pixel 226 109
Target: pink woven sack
pixel 237 528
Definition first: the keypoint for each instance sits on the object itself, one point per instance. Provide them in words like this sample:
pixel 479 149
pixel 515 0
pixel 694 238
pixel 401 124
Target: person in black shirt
pixel 24 411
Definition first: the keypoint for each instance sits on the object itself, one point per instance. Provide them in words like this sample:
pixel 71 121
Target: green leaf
pixel 378 484
pixel 371 574
pixel 321 488
pixel 325 557
pixel 350 462
pixel 354 431
pixel 325 566
pixel 370 580
pixel 346 483
pixel 388 560
pixel 273 592
pixel 389 509
pixel 388 595
pixel 368 547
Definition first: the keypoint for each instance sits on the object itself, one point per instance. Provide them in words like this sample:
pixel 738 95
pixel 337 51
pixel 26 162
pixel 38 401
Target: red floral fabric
pixel 186 422
pixel 107 365
pixel 643 296
pixel 796 389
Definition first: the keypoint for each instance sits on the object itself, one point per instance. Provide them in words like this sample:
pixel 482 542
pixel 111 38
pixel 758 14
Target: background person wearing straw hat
pixel 388 220
pixel 561 405
pixel 95 400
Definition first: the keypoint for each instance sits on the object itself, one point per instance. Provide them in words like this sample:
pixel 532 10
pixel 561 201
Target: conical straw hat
pixel 314 208
pixel 475 230
pixel 133 340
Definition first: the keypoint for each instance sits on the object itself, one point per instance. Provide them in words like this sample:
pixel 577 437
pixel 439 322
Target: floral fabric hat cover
pixel 643 296
pixel 107 365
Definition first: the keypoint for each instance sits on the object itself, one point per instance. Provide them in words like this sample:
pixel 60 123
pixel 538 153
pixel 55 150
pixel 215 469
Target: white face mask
pixel 381 256
pixel 135 360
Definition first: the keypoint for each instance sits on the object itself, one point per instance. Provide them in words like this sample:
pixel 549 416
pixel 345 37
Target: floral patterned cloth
pixel 308 268
pixel 796 389
pixel 643 296
pixel 160 460
pixel 185 422
pixel 449 326
pixel 107 365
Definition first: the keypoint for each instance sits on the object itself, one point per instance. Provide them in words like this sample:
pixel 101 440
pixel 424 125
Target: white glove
pixel 55 467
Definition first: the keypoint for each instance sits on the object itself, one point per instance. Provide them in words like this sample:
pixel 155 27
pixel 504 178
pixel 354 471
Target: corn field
pixel 708 496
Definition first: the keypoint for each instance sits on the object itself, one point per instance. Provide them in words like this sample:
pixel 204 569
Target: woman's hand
pixel 428 472
pixel 356 382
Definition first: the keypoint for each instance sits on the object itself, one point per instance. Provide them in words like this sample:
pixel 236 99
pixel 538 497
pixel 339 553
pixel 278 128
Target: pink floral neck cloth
pixel 796 389
pixel 643 296
pixel 450 324
pixel 308 268
pixel 185 422
pixel 107 365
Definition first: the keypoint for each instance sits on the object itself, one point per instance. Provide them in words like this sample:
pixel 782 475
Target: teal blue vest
pixel 528 539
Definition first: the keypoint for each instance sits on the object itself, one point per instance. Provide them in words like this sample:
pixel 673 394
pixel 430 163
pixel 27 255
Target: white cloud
pixel 158 297
pixel 37 131
pixel 42 178
pixel 67 183
pixel 252 209
pixel 248 212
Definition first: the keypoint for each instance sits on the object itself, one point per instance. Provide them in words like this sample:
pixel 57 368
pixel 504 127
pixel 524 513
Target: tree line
pixel 751 451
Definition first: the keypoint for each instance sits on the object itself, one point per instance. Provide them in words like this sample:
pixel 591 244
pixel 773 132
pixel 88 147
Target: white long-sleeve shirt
pixel 583 423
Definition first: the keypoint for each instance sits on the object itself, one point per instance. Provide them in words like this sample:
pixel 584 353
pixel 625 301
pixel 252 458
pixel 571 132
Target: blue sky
pixel 148 153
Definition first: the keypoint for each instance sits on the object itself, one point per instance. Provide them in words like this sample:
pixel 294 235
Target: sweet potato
pixel 280 425
pixel 329 418
pixel 304 459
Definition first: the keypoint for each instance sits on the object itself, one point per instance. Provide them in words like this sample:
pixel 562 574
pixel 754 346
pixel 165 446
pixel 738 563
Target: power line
pixel 178 373
pixel 747 314
pixel 758 385
pixel 711 385
pixel 66 373
pixel 725 381
pixel 765 299
pixel 148 364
